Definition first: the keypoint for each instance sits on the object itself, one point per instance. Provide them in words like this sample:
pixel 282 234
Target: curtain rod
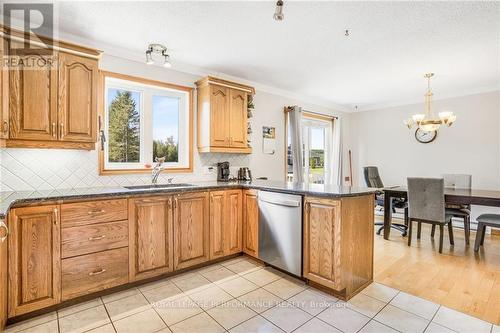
pixel 287 108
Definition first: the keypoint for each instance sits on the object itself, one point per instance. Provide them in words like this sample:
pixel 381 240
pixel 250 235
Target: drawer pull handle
pixel 103 270
pixel 96 211
pixel 97 238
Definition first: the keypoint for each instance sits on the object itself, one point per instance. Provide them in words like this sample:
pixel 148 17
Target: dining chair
pixel 458 181
pixel 427 205
pixel 372 179
pixel 485 220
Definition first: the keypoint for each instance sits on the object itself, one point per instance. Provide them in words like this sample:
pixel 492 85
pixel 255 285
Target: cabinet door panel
pixel 34 254
pixel 219 116
pixel 4 97
pixel 234 224
pixel 3 276
pixel 150 238
pixel 77 98
pixel 191 228
pixel 33 101
pixel 217 223
pixel 250 223
pixel 321 241
pixel 238 118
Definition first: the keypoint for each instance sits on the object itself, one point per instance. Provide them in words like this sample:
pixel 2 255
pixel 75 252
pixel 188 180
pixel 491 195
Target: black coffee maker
pixel 223 171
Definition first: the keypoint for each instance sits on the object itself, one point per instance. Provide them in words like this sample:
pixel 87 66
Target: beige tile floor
pixel 240 295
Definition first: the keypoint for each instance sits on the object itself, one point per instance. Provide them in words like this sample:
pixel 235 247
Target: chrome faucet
pixel 157 170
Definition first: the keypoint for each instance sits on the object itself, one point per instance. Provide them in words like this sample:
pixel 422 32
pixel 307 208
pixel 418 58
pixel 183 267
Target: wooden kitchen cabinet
pixel 34 259
pixel 52 105
pixel 33 102
pixel 322 241
pixel 338 243
pixel 77 98
pixel 226 221
pixel 218 218
pixel 222 116
pixel 4 234
pixel 250 223
pixel 150 237
pixel 4 95
pixel 191 229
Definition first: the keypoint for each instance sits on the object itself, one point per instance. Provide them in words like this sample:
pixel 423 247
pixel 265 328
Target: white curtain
pixel 295 119
pixel 336 157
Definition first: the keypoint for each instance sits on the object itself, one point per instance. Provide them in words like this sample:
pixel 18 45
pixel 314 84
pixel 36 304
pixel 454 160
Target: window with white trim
pixel 144 121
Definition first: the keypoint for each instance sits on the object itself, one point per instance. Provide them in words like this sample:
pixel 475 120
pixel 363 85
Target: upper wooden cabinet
pixel 52 105
pixel 222 116
pixel 191 229
pixel 77 98
pixel 250 223
pixel 150 237
pixel 338 243
pixel 226 218
pixel 33 102
pixel 34 259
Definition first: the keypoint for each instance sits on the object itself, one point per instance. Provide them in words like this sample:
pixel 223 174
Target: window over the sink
pixel 143 120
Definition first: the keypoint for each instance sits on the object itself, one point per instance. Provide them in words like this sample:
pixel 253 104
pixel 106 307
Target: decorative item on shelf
pixel 159 49
pixel 427 121
pixel 268 140
pixel 250 106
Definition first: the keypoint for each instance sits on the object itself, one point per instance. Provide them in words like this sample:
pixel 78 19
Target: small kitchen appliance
pixel 244 174
pixel 223 172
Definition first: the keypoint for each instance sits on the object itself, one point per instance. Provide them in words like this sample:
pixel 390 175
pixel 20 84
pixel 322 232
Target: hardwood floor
pixel 459 278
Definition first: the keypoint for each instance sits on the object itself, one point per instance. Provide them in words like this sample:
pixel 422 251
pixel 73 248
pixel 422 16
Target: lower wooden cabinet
pixel 150 237
pixel 338 243
pixel 94 272
pixel 226 219
pixel 191 229
pixel 321 241
pixel 34 259
pixel 250 223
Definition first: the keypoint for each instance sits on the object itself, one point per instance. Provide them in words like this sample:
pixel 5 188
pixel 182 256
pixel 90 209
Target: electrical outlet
pixel 209 170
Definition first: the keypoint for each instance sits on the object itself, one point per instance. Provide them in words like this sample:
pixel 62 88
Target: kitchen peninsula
pixel 97 240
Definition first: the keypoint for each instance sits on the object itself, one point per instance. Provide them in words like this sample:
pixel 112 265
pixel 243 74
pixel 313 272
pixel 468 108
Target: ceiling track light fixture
pixel 158 49
pixel 278 13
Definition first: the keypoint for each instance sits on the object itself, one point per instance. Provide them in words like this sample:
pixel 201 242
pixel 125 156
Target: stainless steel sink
pixel 157 186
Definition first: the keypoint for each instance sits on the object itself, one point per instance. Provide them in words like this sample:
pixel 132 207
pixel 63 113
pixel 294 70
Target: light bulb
pixel 149 58
pixel 166 62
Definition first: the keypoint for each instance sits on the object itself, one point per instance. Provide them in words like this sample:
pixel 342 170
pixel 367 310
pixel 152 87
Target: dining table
pixel 457 196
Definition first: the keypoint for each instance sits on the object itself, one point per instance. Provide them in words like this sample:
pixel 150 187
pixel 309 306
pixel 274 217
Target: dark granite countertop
pixel 16 199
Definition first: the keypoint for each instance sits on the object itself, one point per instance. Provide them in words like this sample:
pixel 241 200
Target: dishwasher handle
pixel 287 203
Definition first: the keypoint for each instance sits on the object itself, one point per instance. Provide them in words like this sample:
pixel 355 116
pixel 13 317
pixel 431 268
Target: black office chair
pixel 372 179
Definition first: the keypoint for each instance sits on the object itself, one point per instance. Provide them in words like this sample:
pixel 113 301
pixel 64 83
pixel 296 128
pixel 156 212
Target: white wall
pixel 470 146
pixel 29 169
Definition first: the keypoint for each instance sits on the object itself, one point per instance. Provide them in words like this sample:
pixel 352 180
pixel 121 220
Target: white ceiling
pixel 391 44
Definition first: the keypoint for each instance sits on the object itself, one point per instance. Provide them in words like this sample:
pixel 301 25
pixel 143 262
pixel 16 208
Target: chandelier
pixel 428 121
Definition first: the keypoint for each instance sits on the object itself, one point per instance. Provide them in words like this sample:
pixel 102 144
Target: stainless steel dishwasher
pixel 280 230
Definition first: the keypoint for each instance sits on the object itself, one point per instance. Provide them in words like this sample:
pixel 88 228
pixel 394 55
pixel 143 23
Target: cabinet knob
pixel 5 127
pixel 61 130
pixel 4 226
pixel 54 130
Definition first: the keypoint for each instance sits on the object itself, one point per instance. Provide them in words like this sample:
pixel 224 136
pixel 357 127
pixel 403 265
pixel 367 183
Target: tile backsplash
pixel 44 169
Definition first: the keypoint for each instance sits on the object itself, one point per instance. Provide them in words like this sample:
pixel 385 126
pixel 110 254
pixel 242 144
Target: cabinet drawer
pixel 89 212
pixel 94 272
pixel 93 238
